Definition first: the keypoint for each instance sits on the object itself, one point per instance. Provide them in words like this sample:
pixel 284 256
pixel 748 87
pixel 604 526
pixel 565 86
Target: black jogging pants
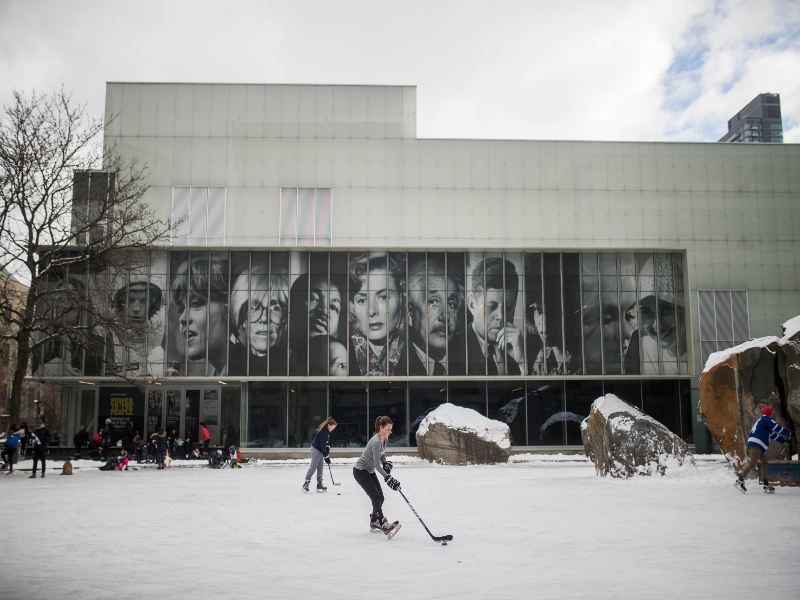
pixel 372 486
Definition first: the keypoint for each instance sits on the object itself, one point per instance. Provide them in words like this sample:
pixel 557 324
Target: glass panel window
pixel 348 405
pixel 506 403
pixel 308 402
pixel 306 217
pixel 545 408
pixel 198 216
pixel 389 399
pixel 423 397
pixel 266 421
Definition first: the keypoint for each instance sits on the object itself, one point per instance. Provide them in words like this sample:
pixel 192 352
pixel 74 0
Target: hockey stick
pixel 331 472
pixel 442 539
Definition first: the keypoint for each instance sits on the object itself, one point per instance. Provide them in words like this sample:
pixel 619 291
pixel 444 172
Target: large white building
pixel 330 262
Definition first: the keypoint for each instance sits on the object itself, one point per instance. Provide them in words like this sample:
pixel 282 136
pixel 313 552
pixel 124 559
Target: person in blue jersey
pixel 764 430
pixel 319 453
pixel 10 446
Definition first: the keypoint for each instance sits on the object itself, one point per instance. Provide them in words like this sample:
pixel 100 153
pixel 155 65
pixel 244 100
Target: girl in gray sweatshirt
pixel 364 472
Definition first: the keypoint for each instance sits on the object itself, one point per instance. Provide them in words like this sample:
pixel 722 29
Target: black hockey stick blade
pixel 331 472
pixel 436 538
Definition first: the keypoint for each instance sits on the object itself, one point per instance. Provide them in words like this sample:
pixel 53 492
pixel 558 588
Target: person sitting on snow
pixel 122 463
pixel 758 443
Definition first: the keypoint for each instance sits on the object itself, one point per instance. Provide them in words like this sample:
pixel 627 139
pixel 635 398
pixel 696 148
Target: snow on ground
pixel 538 527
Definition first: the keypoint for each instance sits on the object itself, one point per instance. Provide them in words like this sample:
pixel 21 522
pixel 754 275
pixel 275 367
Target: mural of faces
pixel 282 313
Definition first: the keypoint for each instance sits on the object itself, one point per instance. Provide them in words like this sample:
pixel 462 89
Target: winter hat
pixel 767 412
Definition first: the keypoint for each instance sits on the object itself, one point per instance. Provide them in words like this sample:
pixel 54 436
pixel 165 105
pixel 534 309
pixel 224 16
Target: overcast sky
pixel 577 70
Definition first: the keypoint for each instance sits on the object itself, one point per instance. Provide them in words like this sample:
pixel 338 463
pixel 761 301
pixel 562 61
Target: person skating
pixel 39 438
pixel 319 451
pixel 364 472
pixel 758 443
pixel 10 446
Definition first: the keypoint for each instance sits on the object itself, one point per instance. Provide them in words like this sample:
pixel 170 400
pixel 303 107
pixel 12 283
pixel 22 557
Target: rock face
pixel 454 435
pixel 789 369
pixel 735 386
pixel 622 441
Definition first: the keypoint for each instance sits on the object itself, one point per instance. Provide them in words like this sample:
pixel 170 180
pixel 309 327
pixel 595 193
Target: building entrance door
pixel 202 404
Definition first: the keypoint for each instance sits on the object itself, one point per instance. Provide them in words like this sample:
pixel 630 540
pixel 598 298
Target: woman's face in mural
pixel 667 324
pixel 324 306
pixel 199 325
pixel 258 314
pixel 377 306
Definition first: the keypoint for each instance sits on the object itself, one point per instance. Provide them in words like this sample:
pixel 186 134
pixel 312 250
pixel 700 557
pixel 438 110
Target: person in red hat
pixel 762 432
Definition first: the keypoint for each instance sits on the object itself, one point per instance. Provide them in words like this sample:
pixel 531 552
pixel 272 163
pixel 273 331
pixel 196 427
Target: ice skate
pixel 390 529
pixel 768 489
pixel 321 489
pixel 739 485
pixel 305 487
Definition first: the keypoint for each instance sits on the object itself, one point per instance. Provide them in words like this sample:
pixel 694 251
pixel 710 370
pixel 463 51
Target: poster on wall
pixel 122 406
pixel 154 410
pixel 173 416
pixel 192 413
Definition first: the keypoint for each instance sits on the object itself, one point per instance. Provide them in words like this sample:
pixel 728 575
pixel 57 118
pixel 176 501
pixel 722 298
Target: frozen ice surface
pixel 540 526
pixel 716 358
pixel 466 419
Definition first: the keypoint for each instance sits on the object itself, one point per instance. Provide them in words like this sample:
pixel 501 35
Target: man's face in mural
pixel 488 324
pixel 435 315
pixel 137 303
pixel 258 314
pixel 277 318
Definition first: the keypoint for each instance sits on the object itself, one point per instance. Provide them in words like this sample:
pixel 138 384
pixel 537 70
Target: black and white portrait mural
pixel 377 313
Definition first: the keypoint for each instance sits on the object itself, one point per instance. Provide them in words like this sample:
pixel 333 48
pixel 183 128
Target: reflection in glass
pixel 308 403
pixel 348 400
pixel 579 397
pixel 506 403
pixel 545 413
pixel 468 394
pixel 266 420
pixel 389 399
pixel 423 397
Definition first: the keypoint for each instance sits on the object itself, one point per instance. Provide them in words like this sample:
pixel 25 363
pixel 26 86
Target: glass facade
pixel 539 412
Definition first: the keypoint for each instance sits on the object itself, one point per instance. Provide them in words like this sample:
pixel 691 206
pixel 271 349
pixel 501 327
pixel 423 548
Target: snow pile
pixel 719 357
pixel 609 404
pixel 467 420
pixel 790 328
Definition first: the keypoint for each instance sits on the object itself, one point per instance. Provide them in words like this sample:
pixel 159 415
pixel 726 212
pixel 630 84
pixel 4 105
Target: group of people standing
pixel 19 439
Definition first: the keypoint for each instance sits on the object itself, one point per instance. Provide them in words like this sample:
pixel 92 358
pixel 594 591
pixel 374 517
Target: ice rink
pixel 539 527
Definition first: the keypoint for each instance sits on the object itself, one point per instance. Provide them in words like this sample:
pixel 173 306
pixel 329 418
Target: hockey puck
pixel 444 543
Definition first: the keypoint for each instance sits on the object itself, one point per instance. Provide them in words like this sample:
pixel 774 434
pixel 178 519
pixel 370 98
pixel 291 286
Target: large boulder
pixel 735 386
pixel 789 368
pixel 455 435
pixel 622 441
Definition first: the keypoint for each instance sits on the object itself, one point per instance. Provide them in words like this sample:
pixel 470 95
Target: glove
pixel 327 460
pixel 388 466
pixel 327 450
pixel 392 483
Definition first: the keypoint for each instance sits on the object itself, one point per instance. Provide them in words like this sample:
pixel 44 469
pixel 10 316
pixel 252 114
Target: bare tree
pixel 67 249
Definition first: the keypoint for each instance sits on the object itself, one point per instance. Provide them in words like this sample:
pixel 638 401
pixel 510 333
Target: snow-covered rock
pixel 455 435
pixel 735 386
pixel 622 441
pixel 789 367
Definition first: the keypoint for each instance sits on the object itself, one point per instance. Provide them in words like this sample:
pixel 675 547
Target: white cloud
pixel 618 69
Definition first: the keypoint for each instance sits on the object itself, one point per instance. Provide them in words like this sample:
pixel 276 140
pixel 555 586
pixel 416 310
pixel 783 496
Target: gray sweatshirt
pixel 373 457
